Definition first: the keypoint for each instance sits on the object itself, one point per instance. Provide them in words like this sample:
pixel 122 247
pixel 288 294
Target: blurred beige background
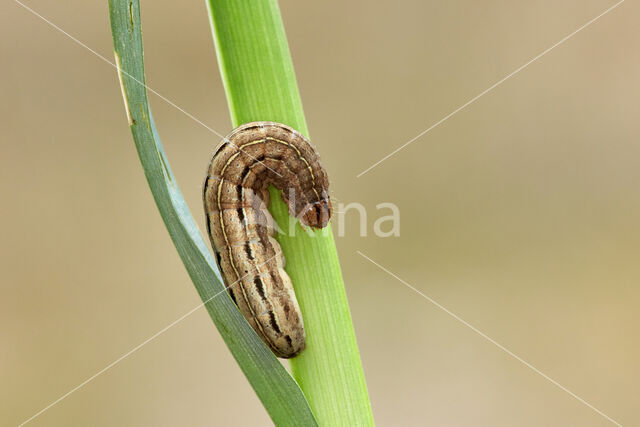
pixel 519 214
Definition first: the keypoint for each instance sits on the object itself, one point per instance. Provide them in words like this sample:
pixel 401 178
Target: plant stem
pixel 260 84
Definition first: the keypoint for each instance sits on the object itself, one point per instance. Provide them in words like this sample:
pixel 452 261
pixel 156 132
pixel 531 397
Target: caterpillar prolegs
pixel 242 230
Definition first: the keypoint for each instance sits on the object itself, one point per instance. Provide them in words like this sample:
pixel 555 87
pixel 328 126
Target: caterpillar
pixel 241 229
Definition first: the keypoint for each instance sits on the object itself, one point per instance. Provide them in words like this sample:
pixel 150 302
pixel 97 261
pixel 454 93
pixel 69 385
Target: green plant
pixel 260 84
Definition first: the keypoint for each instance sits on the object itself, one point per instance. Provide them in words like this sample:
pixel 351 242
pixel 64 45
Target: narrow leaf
pixel 260 82
pixel 278 392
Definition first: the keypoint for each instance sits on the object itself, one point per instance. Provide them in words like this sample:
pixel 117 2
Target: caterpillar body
pixel 236 197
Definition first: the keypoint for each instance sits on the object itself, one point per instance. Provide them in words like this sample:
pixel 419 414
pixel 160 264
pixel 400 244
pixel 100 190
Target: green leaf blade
pixel 259 79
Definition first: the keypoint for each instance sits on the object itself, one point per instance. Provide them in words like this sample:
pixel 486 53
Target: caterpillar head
pixel 317 214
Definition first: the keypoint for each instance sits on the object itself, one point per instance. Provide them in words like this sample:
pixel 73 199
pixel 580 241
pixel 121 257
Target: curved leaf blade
pixel 279 393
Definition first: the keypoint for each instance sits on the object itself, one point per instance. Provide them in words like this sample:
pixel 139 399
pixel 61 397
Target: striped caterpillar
pixel 242 230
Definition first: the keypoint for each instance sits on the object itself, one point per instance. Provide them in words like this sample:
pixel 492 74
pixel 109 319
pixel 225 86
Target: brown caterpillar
pixel 241 229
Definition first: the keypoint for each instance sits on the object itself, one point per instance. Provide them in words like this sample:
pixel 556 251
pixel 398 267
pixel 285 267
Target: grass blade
pixel 258 75
pixel 278 392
